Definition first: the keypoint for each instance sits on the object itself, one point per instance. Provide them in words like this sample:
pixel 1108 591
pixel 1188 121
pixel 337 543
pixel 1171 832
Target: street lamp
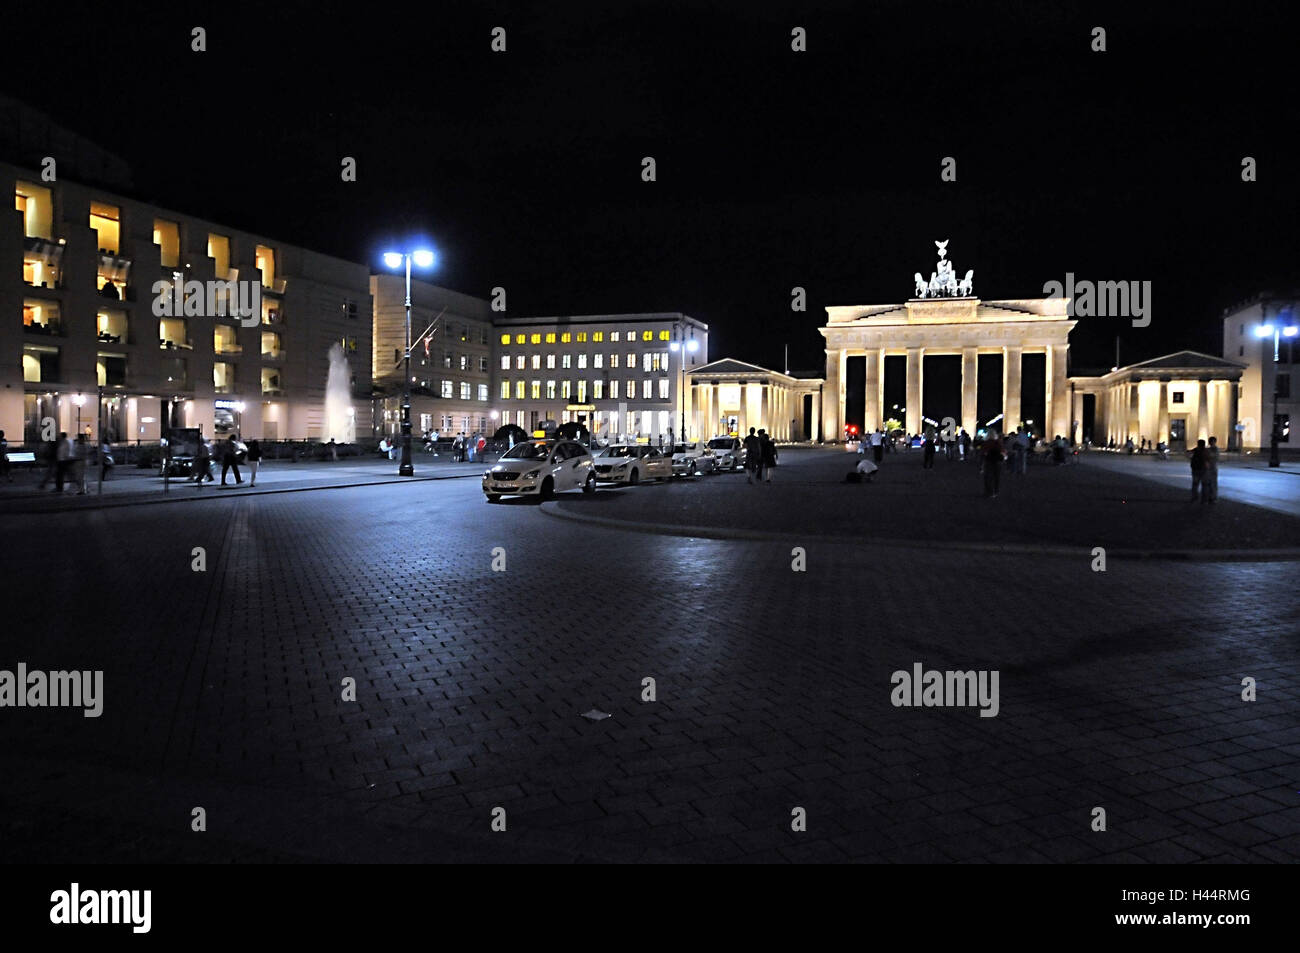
pixel 1278 332
pixel 679 345
pixel 423 258
pixel 79 400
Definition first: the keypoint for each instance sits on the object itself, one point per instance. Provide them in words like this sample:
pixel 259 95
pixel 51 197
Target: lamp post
pixel 79 400
pixel 683 346
pixel 1278 331
pixel 423 259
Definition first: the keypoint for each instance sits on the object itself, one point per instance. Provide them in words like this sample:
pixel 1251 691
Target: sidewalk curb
pixel 553 509
pixel 165 498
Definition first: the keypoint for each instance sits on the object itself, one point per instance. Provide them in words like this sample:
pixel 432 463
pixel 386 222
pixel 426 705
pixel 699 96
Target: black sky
pixel 775 169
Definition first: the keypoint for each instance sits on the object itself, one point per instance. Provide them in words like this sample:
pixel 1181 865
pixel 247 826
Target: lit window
pixel 446 389
pixel 108 229
pixel 582 337
pixel 631 359
pixel 535 339
pixel 537 390
pixel 613 390
pixel 537 361
pixel 631 390
pixel 482 392
pixel 597 336
pixel 646 388
pixel 264 258
pixel 565 389
pixel 505 339
pixel 665 336
pixel 519 362
pixel 550 390
pixel 567 361
pixel 582 392
pixel 464 362
pixel 505 390
pixel 550 337
pixel 598 360
pixel 550 361
pixel 565 338
pixel 613 336
pixel 519 339
pixel 647 335
pixel 464 390
pixel 648 361
pixel 582 361
pixel 505 362
pixel 519 390
pixel 613 360
pixel 597 389
pixel 167 236
pixel 663 388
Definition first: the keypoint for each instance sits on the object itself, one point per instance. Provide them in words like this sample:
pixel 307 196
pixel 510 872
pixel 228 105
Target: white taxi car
pixel 693 459
pixel 631 463
pixel 540 468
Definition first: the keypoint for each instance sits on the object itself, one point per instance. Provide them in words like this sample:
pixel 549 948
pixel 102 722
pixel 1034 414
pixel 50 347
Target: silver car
pixel 540 468
pixel 729 452
pixel 693 459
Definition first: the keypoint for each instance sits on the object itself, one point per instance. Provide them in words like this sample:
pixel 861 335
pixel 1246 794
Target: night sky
pixel 775 169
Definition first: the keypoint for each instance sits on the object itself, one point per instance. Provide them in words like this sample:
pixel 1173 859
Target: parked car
pixel 540 468
pixel 728 452
pixel 631 463
pixel 693 459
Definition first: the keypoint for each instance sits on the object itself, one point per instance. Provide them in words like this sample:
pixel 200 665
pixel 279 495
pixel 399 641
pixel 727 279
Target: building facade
pixel 123 315
pixel 730 396
pixel 623 376
pixel 1176 399
pixel 451 359
pixel 1268 372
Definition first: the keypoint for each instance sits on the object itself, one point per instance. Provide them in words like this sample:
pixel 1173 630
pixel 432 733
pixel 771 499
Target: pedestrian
pixel 202 464
pixel 4 458
pixel 753 455
pixel 769 456
pixel 458 448
pixel 106 461
pixel 254 458
pixel 81 462
pixel 1020 454
pixel 1199 460
pixel 993 457
pixel 334 455
pixel 230 459
pixel 481 444
pixel 865 471
pixel 965 445
pixel 927 451
pixel 1212 470
pixel 64 457
pixel 877 446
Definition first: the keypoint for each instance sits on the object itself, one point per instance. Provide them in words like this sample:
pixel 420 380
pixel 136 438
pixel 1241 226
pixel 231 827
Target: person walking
pixel 1212 470
pixel 877 446
pixel 993 457
pixel 202 465
pixel 334 455
pixel 927 452
pixel 753 455
pixel 769 455
pixel 64 460
pixel 965 445
pixel 1199 459
pixel 230 459
pixel 106 461
pixel 254 458
pixel 4 458
pixel 50 456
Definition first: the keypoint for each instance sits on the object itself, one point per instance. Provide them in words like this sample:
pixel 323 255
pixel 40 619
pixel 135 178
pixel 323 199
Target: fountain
pixel 340 422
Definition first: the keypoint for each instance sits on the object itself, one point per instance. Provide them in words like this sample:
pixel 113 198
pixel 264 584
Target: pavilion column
pixel 1058 392
pixel 875 380
pixel 1234 438
pixel 815 430
pixel 1202 413
pixel 833 396
pixel 1162 419
pixel 1010 389
pixel 913 415
pixel 764 409
pixel 969 388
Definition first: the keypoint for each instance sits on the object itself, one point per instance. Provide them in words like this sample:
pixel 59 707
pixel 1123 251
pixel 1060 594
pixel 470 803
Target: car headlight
pixel 532 474
pixel 487 474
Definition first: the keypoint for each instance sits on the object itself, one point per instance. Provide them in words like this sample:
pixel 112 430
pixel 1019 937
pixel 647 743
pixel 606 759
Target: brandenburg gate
pixel 944 318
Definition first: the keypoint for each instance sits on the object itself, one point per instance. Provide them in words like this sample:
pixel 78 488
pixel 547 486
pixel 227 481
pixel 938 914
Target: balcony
pixel 221 348
pixel 175 345
pixel 224 389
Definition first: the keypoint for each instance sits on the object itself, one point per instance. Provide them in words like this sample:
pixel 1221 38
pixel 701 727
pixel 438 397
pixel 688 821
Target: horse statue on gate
pixel 966 284
pixel 921 286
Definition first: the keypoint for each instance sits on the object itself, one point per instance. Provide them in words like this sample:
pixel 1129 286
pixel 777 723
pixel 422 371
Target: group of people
pixel 67 461
pixel 226 452
pixel 1205 470
pixel 760 456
